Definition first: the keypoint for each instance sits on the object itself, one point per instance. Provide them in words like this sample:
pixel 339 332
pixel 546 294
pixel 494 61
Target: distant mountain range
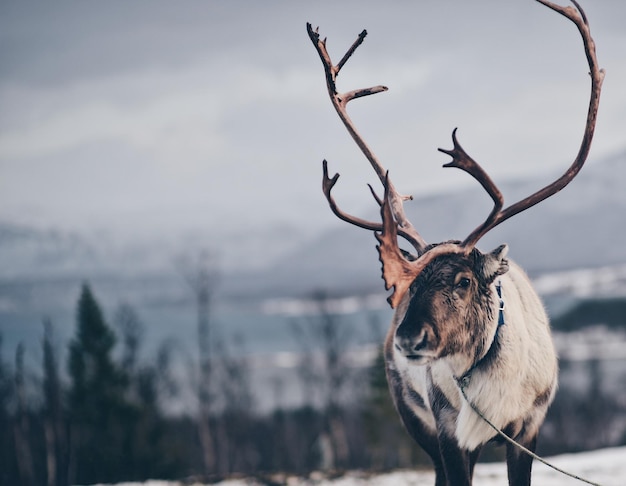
pixel 584 226
pixel 572 245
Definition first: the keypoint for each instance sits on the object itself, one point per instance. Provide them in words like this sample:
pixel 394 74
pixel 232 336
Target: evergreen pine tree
pixel 96 397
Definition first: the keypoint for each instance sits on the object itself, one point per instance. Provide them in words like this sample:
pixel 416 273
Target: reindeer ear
pixel 495 263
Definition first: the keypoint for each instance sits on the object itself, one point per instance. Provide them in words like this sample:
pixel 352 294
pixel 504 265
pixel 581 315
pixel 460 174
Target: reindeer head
pixel 452 273
pixel 448 307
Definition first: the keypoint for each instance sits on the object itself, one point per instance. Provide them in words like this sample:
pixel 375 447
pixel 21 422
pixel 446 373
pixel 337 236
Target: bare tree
pixel 232 384
pixel 22 425
pixel 6 439
pixel 131 331
pixel 201 275
pixel 325 373
pixel 54 421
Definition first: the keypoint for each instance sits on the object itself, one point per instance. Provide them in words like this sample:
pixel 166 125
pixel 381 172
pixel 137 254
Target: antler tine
pixel 340 102
pixel 327 186
pixel 463 161
pixel 398 272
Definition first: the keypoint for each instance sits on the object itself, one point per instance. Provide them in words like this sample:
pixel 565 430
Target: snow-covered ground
pixel 606 467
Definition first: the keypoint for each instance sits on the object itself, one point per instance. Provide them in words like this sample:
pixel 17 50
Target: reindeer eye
pixel 463 283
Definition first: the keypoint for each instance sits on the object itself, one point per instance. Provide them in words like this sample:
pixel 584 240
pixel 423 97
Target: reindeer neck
pixel 492 351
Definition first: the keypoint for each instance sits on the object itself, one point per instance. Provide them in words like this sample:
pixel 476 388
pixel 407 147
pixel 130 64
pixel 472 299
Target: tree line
pixel 101 415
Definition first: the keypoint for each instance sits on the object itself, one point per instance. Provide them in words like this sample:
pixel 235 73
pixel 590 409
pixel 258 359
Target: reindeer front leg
pixel 519 464
pixel 458 463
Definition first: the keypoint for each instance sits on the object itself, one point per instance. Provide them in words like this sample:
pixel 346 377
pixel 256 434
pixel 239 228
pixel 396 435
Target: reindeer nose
pixel 411 344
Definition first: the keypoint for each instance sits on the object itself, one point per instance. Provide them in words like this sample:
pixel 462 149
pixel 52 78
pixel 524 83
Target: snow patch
pixel 603 466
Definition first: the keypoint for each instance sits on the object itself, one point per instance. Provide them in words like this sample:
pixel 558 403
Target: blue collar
pixel 501 307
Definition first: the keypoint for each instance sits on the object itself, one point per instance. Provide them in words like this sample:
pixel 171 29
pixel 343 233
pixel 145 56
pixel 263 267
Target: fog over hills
pixel 583 226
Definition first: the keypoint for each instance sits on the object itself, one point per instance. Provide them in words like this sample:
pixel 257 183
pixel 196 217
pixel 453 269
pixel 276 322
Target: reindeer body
pixel 512 366
pixel 450 336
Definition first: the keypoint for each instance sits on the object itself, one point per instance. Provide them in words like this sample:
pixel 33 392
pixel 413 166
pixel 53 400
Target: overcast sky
pixel 159 119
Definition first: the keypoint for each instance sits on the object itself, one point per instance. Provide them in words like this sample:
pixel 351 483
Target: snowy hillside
pixel 606 467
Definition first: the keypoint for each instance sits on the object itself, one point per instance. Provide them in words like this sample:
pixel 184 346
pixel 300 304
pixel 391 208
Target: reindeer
pixel 469 332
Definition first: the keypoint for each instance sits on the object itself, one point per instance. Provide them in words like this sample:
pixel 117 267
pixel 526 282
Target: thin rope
pixel 462 384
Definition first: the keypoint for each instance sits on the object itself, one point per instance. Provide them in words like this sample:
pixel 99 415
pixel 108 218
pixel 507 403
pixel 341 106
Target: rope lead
pixel 463 384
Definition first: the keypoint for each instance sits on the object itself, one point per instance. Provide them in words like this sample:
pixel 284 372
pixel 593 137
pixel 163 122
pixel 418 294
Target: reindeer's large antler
pixel 399 272
pixel 340 102
pixel 461 160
